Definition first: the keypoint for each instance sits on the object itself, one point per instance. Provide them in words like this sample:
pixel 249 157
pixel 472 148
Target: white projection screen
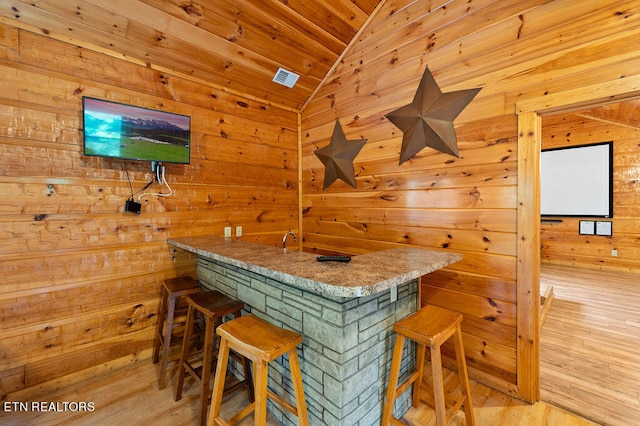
pixel 577 181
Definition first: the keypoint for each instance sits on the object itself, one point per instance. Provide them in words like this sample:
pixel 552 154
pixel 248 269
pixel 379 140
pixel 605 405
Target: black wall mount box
pixel 132 206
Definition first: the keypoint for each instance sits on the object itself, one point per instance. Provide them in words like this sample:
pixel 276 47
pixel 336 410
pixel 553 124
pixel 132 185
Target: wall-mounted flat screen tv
pixel 577 181
pixel 116 130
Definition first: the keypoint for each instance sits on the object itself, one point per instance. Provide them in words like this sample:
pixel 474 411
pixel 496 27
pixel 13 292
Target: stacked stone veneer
pixel 347 343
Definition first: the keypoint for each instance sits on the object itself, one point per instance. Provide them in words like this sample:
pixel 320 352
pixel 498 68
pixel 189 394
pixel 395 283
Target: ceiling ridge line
pixel 611 122
pixel 354 40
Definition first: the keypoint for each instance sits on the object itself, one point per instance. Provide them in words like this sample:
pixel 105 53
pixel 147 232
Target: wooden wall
pixel 81 279
pixel 528 51
pixel 561 243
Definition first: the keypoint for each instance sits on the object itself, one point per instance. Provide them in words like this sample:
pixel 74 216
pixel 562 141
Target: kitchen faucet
pixel 284 239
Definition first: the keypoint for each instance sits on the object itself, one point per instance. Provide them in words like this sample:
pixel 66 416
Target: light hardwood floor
pixel 127 395
pixel 590 344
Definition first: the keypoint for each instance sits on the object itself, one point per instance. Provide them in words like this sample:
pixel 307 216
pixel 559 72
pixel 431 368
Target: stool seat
pixel 214 306
pixel 261 342
pixel 173 290
pixel 182 286
pixel 430 327
pixel 258 338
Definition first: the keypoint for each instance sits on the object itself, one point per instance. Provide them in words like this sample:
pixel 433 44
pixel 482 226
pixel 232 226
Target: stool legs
pixel 161 318
pixel 417 385
pixel 394 374
pixel 296 378
pixel 438 386
pixel 262 343
pixel 218 385
pixel 464 378
pixel 393 390
pixel 261 378
pixel 173 290
pixel 207 360
pixel 185 351
pixel 209 338
pixel 165 337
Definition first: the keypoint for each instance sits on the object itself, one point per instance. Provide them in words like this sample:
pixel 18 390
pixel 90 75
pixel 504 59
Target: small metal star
pixel 338 157
pixel 428 120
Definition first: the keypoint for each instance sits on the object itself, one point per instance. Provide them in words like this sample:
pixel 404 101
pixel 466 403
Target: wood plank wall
pixel 561 243
pixel 515 51
pixel 80 279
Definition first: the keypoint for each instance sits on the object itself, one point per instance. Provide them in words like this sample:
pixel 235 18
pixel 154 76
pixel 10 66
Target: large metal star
pixel 428 120
pixel 338 157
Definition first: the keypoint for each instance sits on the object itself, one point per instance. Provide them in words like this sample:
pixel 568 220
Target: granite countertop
pixel 365 275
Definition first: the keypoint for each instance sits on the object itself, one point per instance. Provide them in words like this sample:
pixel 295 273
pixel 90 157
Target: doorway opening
pixel 530 113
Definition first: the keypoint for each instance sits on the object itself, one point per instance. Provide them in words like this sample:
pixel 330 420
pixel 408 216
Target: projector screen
pixel 577 181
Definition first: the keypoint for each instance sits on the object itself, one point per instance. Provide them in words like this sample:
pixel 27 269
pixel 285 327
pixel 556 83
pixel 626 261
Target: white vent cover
pixel 286 78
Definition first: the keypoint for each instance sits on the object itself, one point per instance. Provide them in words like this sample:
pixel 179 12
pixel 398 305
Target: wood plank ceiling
pixel 235 44
pixel 623 114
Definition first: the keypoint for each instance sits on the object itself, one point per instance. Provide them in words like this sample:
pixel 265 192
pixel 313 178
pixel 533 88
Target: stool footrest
pixel 283 403
pixel 456 407
pixel 219 422
pixel 396 422
pixel 238 417
pixel 405 385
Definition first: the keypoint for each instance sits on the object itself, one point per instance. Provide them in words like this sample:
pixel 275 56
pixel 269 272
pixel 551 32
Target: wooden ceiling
pixel 625 114
pixel 622 114
pixel 235 44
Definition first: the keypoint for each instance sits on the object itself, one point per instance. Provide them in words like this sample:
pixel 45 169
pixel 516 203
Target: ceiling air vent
pixel 286 78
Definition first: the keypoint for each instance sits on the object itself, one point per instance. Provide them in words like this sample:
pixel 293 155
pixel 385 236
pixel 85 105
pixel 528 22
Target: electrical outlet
pixel 614 252
pixel 227 232
pixel 238 231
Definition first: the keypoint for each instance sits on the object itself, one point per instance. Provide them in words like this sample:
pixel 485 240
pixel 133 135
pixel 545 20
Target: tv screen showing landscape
pixel 134 133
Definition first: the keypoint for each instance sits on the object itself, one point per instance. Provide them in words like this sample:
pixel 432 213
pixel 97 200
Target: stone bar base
pixel 347 345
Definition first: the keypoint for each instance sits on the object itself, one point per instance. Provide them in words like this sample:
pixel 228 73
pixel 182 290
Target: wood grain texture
pixel 81 278
pixel 534 55
pixel 250 157
pixel 236 45
pixel 127 393
pixel 561 242
pixel 528 265
pixel 589 340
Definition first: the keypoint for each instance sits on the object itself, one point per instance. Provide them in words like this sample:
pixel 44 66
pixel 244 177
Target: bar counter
pixel 345 312
pixel 364 275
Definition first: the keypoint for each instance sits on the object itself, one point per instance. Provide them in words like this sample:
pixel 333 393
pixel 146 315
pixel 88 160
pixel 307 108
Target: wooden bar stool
pixel 262 343
pixel 213 305
pixel 431 326
pixel 172 290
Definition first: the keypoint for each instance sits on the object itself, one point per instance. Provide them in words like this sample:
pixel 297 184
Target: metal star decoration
pixel 338 157
pixel 428 120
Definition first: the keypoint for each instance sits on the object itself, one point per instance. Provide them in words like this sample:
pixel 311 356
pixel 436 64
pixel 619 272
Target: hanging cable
pixel 133 194
pixel 126 172
pixel 162 180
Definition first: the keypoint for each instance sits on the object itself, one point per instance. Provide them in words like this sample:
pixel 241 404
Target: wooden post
pixel 528 246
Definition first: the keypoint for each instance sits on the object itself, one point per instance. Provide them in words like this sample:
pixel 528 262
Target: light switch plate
pixel 238 231
pixel 227 232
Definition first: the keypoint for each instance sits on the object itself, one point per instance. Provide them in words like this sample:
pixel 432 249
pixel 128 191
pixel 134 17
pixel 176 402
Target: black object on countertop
pixel 333 259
